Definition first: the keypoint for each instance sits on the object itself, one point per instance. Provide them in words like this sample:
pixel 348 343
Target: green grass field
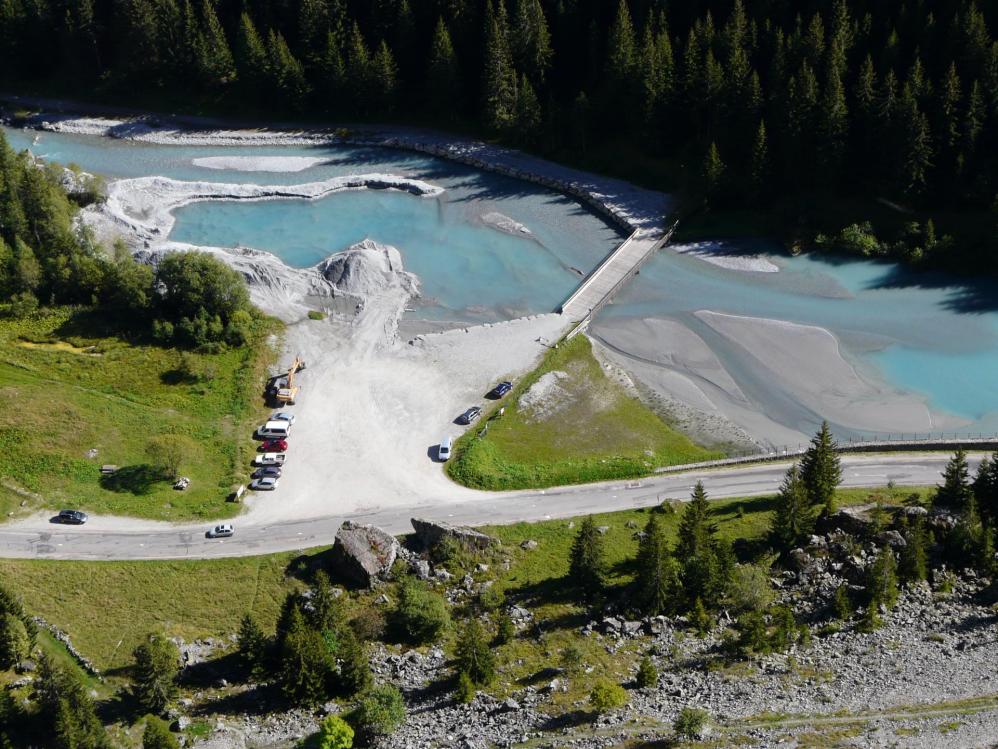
pixel 68 386
pixel 596 431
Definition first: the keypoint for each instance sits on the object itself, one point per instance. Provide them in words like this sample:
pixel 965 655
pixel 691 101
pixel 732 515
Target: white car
pixel 267 484
pixel 269 459
pixel 221 531
pixel 443 450
pixel 283 416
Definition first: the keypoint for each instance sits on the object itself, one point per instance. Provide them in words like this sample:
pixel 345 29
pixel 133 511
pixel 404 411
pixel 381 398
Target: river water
pixel 932 335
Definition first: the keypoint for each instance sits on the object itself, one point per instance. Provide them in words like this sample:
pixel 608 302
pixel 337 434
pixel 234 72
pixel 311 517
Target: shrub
pixel 492 598
pixel 421 614
pixel 474 657
pixel 571 659
pixel 369 623
pixel 750 589
pixel 157 735
pixel 505 629
pixel 647 673
pixel 335 733
pixel 464 692
pixel 314 314
pixel 606 696
pixel 690 723
pixel 841 603
pixel 381 711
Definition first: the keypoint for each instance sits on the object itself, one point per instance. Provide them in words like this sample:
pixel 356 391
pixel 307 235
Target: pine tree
pixel 657 578
pixel 712 172
pixel 587 567
pixel 833 125
pixel 251 55
pixel 531 41
pixel 881 584
pixel 252 646
pixel 759 170
pixel 647 674
pixel 499 84
pixel 358 68
pixel 916 145
pixel 324 610
pixel 286 72
pixel 474 657
pixel 528 111
pixel 985 489
pixel 355 665
pixel 913 564
pixel 217 67
pixel 384 78
pixel 304 663
pixel 792 522
pixel 68 708
pixel 821 469
pixel 621 56
pixel 443 73
pixel 955 492
pixel 696 532
pixel 157 663
pixel 699 617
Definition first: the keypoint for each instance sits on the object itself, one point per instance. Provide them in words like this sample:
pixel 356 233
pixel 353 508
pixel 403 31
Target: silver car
pixel 267 484
pixel 221 531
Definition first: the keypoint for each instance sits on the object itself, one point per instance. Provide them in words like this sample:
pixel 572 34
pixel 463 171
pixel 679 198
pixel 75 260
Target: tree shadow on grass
pixel 305 567
pixel 207 673
pixel 137 479
pixel 570 719
pixel 260 699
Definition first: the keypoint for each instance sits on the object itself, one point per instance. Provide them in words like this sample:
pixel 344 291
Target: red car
pixel 274 446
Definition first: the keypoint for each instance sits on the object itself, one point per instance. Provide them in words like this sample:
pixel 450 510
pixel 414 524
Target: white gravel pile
pixel 545 397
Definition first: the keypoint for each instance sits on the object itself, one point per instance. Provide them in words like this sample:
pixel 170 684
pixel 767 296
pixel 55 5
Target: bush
pixel 492 598
pixel 690 723
pixel 571 659
pixel 316 315
pixel 421 614
pixel 381 711
pixel 607 696
pixel 465 691
pixel 647 673
pixel 157 735
pixel 750 589
pixel 335 733
pixel 505 629
pixel 369 623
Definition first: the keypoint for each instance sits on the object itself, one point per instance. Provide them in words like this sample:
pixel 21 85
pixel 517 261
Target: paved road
pixel 43 541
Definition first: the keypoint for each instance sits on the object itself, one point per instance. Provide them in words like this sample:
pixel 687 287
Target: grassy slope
pixel 59 398
pixel 107 607
pixel 601 433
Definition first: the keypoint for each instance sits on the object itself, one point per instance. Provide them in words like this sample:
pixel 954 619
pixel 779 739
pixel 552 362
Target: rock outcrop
pixel 363 553
pixel 430 533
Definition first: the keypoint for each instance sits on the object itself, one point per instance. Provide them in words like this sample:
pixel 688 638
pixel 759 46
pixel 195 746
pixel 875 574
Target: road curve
pixel 38 539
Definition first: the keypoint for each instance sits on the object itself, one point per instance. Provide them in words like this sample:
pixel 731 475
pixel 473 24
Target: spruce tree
pixel 499 82
pixel 286 72
pixel 821 469
pixel 881 583
pixel 355 665
pixel 531 41
pixel 587 566
pixel 647 674
pixel 443 78
pixel 621 49
pixel 157 735
pixel 384 78
pixel 759 170
pixel 252 646
pixel 955 493
pixel 358 68
pixel 913 564
pixel 157 663
pixel 474 657
pixel 304 663
pixel 528 111
pixel 218 67
pixel 712 172
pixel 69 710
pixel 916 145
pixel 792 522
pixel 696 532
pixel 251 55
pixel 985 488
pixel 657 576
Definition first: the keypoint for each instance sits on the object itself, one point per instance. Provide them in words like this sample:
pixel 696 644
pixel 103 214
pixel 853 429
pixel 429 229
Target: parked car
pixel 221 531
pixel 269 459
pixel 274 446
pixel 501 389
pixel 283 416
pixel 267 484
pixel 443 450
pixel 273 472
pixel 71 517
pixel 470 415
pixel 274 430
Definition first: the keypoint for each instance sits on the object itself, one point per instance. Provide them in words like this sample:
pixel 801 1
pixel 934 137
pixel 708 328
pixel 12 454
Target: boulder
pixel 529 545
pixel 431 533
pixel 363 553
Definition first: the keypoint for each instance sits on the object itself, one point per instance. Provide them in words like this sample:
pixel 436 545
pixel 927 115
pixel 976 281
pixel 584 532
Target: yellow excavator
pixel 289 391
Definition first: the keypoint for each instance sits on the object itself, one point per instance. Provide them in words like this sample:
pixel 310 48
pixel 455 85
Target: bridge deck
pixel 598 286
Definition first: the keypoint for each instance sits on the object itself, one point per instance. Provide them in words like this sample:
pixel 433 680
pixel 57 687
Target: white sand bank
pixel 505 224
pixel 726 255
pixel 259 163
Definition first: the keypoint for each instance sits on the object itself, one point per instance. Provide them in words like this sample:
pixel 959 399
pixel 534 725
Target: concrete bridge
pixel 613 272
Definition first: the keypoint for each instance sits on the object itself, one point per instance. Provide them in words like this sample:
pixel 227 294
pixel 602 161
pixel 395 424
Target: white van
pixel 274 430
pixel 443 451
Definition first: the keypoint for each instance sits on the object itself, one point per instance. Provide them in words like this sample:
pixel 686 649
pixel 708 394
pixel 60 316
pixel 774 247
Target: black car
pixel 470 415
pixel 71 517
pixel 501 389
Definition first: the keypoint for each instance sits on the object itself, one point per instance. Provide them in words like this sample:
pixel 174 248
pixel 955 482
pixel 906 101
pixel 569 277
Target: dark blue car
pixel 501 389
